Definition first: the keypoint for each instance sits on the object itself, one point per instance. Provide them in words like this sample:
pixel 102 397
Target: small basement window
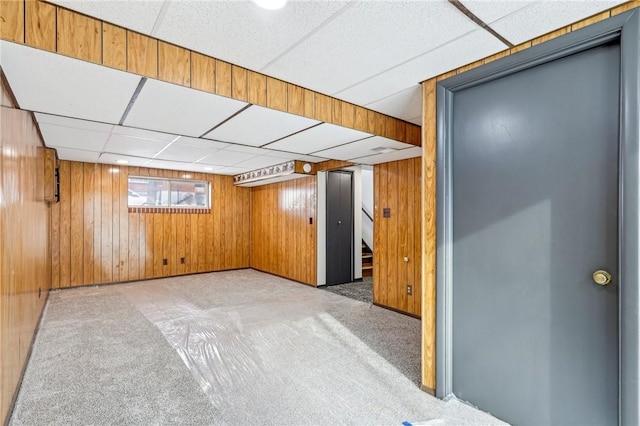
pixel 175 194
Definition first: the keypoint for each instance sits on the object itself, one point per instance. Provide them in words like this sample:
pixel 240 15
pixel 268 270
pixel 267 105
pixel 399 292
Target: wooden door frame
pixel 626 28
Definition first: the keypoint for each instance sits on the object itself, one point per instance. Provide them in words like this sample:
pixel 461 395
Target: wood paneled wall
pixel 24 231
pixel 96 240
pixel 429 132
pixel 50 27
pixel 396 186
pixel 283 229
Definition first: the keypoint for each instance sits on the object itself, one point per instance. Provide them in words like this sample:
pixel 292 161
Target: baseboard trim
pixel 428 390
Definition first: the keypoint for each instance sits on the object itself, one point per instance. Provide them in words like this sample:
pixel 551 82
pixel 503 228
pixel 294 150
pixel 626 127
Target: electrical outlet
pixel 165 262
pixel 182 260
pixel 409 289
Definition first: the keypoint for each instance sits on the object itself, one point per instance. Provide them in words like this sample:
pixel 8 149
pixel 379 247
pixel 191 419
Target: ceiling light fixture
pixel 122 162
pixel 208 169
pixel 271 4
pixel 383 150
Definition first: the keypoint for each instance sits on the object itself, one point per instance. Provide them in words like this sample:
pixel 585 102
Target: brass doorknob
pixel 601 277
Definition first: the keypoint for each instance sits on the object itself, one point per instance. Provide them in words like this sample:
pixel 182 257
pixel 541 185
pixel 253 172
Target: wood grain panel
pixel 76 181
pixel 496 56
pixel 40 23
pixel 295 100
pixel 283 240
pixel 591 20
pixel 239 83
pixel 625 7
pixel 223 78
pixel 309 103
pixel 12 18
pixel 174 64
pixel 93 222
pixel 203 71
pixel 114 46
pixel 79 36
pixel 332 165
pixel 25 218
pixel 142 54
pixel 257 88
pixel 371 121
pixel 397 187
pixel 380 231
pixel 520 47
pixel 470 66
pixel 360 119
pixel 429 235
pixel 276 94
pixel 65 224
pixel 336 112
pixel 324 108
pixel 550 36
pixel 348 115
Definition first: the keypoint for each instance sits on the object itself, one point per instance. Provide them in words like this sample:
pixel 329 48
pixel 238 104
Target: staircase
pixel 367 260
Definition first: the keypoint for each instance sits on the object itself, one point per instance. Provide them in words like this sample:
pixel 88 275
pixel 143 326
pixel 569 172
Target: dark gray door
pixel 535 210
pixel 339 227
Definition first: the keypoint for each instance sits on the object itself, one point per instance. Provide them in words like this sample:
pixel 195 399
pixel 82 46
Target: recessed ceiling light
pixel 208 168
pixel 271 4
pixel 383 150
pixel 122 162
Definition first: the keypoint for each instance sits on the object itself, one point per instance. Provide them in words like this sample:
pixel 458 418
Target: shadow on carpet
pixel 358 290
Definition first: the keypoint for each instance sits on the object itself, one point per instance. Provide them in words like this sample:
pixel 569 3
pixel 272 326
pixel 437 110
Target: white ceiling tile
pixel 416 120
pixel 57 120
pixel 233 170
pixel 404 105
pixel 492 10
pixel 462 51
pixel 125 145
pixel 367 39
pixel 137 15
pixel 70 154
pixel 261 161
pixel 249 150
pixel 392 156
pixel 241 32
pixel 309 158
pixel 361 148
pixel 545 16
pixel 169 165
pixel 184 153
pixel 175 109
pixel 226 158
pixel 108 158
pixel 70 137
pixel 205 143
pixel 257 126
pixel 51 83
pixel 132 132
pixel 318 138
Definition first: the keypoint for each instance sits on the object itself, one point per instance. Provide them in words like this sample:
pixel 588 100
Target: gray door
pixel 535 210
pixel 339 227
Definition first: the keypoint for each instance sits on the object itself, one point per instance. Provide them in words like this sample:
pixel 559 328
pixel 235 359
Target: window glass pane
pixel 151 192
pixel 189 193
pixel 148 192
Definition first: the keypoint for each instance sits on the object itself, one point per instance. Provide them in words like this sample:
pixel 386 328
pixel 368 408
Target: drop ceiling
pixel 371 53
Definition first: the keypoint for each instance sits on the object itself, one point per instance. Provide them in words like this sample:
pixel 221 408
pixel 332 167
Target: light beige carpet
pixel 238 348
